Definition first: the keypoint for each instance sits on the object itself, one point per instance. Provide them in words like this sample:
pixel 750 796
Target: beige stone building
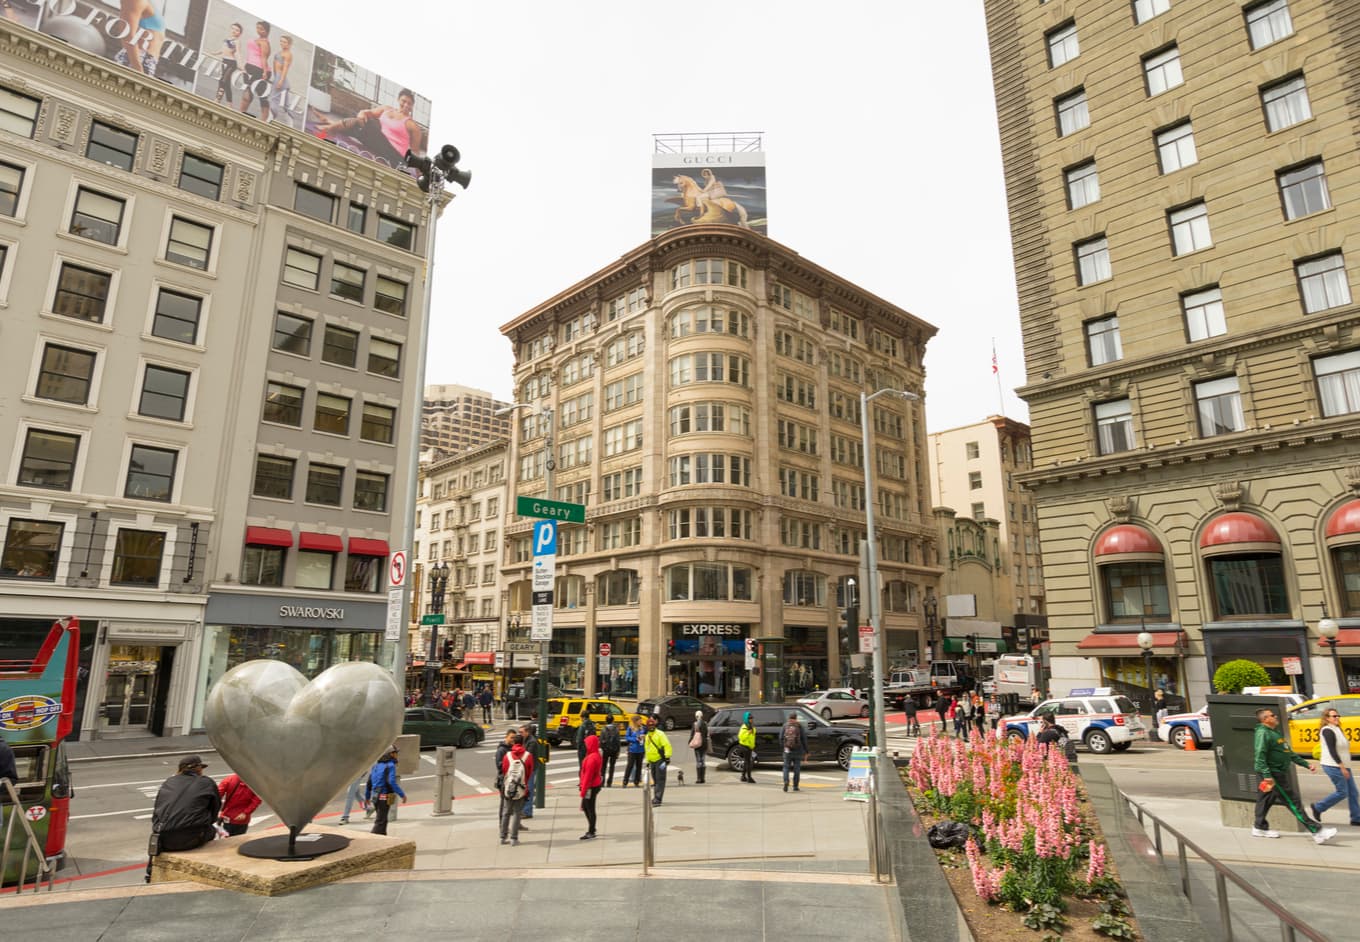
pixel 702 394
pixel 1183 182
pixel 457 418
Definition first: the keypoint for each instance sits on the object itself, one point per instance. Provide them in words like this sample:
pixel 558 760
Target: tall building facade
pixel 1184 191
pixel 701 397
pixel 457 418
pixel 975 471
pixel 210 322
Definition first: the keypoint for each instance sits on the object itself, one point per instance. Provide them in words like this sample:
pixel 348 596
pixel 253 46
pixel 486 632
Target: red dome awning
pixel 1234 529
pixel 1345 520
pixel 1125 539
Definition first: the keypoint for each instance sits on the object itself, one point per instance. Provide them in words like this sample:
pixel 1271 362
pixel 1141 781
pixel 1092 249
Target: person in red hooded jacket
pixel 592 780
pixel 238 804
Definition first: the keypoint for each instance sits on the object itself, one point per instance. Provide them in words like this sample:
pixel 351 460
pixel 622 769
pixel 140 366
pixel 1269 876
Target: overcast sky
pixel 882 154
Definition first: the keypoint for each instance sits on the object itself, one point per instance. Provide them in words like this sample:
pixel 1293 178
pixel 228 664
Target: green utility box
pixel 1232 719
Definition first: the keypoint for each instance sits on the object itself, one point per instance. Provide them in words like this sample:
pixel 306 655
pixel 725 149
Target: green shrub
pixel 1234 675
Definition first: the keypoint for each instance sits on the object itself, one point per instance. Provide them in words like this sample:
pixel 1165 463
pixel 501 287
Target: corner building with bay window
pixel 1184 190
pixel 701 397
pixel 208 327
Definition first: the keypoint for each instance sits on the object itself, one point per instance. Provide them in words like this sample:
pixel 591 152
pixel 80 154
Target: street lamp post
pixel 932 606
pixel 1145 642
pixel 1329 629
pixel 439 580
pixel 871 587
pixel 434 174
pixel 549 466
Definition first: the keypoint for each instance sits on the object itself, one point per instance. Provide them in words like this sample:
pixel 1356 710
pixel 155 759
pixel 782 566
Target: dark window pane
pixel 370 491
pixel 137 558
pixel 332 414
pixel 283 404
pixel 302 269
pixel 176 316
pixel 81 293
pixel 201 176
pixel 32 548
pixel 1250 584
pixel 263 565
pixel 361 573
pixel 395 232
pixel 384 357
pixel 112 146
pixel 164 392
pixel 65 374
pixel 314 203
pixel 323 484
pixel 390 296
pixel 292 334
pixel 49 459
pixel 151 473
pixel 347 282
pixel 18 113
pixel 274 477
pixel 190 243
pixel 357 219
pixel 378 422
pixel 11 182
pixel 97 216
pixel 341 346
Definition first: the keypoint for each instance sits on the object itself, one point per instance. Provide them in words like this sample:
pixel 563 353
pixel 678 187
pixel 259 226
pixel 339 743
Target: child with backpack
pixel 516 768
pixel 795 750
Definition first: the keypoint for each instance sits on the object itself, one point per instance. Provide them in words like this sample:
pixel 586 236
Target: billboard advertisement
pixel 696 189
pixel 223 53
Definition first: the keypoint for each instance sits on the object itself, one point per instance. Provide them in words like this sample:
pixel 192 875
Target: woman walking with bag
pixel 1335 757
pixel 698 741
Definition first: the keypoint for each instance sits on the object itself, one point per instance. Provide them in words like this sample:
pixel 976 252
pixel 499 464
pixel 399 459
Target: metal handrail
pixel 31 844
pixel 1289 923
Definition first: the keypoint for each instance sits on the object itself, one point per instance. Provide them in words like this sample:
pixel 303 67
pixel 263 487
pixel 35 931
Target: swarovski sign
pixel 308 611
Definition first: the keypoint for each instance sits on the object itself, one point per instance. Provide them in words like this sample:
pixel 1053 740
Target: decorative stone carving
pixel 1229 494
pixel 159 160
pixel 65 125
pixel 1351 475
pixel 1120 507
pixel 245 187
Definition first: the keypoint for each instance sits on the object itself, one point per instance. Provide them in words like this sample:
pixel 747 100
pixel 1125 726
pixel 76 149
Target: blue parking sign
pixel 545 537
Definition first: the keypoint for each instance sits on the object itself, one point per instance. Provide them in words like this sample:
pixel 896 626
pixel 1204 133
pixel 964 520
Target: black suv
pixel 826 743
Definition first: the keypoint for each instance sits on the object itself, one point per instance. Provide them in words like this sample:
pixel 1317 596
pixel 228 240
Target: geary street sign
pixel 550 509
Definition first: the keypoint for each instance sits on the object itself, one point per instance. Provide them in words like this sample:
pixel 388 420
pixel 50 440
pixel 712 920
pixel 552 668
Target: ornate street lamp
pixel 439 581
pixel 1145 642
pixel 1329 629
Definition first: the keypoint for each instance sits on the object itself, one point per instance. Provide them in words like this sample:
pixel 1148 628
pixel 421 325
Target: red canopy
pixel 358 546
pixel 324 542
pixel 268 536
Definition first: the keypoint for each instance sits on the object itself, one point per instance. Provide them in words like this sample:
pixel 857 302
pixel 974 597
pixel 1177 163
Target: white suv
pixel 1097 718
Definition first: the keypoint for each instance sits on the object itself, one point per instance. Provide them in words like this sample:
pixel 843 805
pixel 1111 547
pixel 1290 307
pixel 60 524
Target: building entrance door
pixel 135 689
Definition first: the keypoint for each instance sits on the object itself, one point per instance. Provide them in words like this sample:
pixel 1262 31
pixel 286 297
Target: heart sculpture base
pixel 293 846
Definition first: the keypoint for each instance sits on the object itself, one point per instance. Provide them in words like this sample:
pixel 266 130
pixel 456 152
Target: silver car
pixel 836 703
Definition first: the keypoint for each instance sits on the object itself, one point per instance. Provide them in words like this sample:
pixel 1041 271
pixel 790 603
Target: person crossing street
pixel 1272 760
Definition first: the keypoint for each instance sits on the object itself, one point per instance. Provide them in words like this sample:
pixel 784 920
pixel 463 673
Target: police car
pixel 1095 716
pixel 1178 728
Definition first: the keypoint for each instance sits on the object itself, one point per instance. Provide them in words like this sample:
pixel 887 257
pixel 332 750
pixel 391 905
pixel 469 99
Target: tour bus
pixel 37 707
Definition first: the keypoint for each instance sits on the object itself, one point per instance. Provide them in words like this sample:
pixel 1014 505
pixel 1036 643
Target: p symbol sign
pixel 545 537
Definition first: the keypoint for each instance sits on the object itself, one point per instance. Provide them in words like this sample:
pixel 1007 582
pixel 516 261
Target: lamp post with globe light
pixel 1145 642
pixel 1329 630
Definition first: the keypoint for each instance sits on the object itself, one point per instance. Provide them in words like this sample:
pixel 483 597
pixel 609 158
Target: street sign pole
pixel 541 785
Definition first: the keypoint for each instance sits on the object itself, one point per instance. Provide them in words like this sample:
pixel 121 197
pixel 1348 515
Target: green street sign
pixel 432 619
pixel 550 509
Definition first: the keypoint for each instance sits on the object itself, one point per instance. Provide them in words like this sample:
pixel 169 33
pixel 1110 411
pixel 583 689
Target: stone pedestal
pixel 1242 814
pixel 218 863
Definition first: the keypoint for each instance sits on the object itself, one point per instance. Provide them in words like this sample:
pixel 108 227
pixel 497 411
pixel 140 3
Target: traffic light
pixel 970 645
pixel 531 687
pixel 1022 639
pixel 670 647
pixel 849 630
pixel 751 654
pixel 448 649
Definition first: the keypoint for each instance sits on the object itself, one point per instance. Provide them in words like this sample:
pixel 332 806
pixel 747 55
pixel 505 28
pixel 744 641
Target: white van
pixel 1017 674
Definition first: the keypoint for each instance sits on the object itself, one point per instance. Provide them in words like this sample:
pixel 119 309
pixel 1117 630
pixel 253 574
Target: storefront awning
pixel 1125 644
pixel 268 536
pixel 359 546
pixel 480 657
pixel 1345 638
pixel 985 646
pixel 321 542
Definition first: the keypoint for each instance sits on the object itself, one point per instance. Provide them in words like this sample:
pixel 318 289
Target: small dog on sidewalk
pixel 680 776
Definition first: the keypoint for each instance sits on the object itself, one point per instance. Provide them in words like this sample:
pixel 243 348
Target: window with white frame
pixel 137 557
pixel 1268 22
pixel 151 473
pixel 32 549
pixel 803 587
pixel 847 451
pixel 18 113
pixel 708 271
pixel 1189 229
pixel 1062 44
pixel 972 450
pixel 1204 315
pixel 1072 112
pixel 796 302
pixel 975 480
pixel 1144 10
pixel 201 176
pixel 1338 379
pixel 1176 147
pixel 189 243
pixel 578 368
pixel 1083 185
pixel 802 534
pixel 626 437
pixel 795 346
pixel 97 216
pixel 798 483
pixel 165 393
pixel 709 468
pixel 1102 340
pixel 11 185
pixel 979 511
pixel 623 392
pixel 577 410
pixel 65 374
pixel 709 522
pixel 1219 405
pixel 576 452
pixel 848 495
pixel 795 436
pixel 1323 282
pixel 710 368
pixel 1303 190
pixel 618 534
pixel 176 316
pixel 1286 103
pixel 624 348
pixel 708 582
pixel 620 484
pixel 1114 428
pixel 301 269
pixel 1093 260
pixel 796 390
pixel 1163 70
pixel 709 320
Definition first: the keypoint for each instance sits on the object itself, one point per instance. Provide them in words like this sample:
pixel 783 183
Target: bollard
pixel 445 762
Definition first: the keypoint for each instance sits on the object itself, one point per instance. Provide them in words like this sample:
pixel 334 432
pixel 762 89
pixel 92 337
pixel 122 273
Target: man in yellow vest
pixel 657 755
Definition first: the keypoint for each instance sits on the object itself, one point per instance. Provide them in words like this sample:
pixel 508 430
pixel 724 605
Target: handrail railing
pixel 31 844
pixel 1289 923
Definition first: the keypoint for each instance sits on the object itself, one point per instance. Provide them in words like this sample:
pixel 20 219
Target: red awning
pixel 268 536
pixel 1125 644
pixel 324 542
pixel 1345 520
pixel 480 657
pixel 358 546
pixel 1345 638
pixel 1236 528
pixel 1127 539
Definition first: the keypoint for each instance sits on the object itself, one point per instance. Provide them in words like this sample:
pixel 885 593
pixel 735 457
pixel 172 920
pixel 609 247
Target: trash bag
pixel 948 834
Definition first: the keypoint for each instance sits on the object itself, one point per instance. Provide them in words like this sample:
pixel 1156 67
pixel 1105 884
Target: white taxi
pixel 1096 717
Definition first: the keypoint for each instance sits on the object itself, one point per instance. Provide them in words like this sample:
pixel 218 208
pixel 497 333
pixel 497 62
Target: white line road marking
pixel 140 817
pixel 108 814
pixel 121 784
pixel 429 759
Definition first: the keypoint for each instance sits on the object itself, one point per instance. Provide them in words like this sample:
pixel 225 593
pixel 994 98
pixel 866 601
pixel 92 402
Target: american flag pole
pixel 996 371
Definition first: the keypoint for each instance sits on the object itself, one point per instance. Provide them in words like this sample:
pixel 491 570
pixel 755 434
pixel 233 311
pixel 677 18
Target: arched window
pixel 617 588
pixel 569 592
pixel 1343 546
pixel 1132 570
pixel 802 587
pixel 1245 567
pixel 708 582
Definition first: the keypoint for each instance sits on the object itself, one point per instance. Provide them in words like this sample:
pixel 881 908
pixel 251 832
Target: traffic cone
pixel 1190 743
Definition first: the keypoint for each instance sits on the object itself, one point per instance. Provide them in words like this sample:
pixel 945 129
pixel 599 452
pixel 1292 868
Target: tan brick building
pixel 1183 186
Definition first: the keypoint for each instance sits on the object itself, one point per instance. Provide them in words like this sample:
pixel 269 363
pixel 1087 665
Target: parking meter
pixel 1232 718
pixel 445 766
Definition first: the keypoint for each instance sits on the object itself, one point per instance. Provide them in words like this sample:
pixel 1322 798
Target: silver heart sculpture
pixel 298 744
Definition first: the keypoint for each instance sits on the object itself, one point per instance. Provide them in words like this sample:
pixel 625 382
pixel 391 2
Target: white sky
pixel 882 154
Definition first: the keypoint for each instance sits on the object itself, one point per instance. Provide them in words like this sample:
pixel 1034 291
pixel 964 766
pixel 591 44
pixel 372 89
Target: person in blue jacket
pixel 383 788
pixel 637 734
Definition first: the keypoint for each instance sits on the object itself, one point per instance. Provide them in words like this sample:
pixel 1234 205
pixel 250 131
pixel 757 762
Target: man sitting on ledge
pixel 186 807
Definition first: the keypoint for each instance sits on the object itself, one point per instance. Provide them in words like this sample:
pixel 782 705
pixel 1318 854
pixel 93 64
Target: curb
pixel 137 755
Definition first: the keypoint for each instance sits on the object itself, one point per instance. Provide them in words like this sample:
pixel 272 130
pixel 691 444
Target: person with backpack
pixel 795 750
pixel 698 741
pixel 591 783
pixel 516 770
pixel 658 757
pixel 609 752
pixel 746 747
pixel 583 732
pixel 633 770
pixel 383 788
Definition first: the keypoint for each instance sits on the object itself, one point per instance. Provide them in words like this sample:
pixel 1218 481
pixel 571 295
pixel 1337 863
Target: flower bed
pixel 1035 848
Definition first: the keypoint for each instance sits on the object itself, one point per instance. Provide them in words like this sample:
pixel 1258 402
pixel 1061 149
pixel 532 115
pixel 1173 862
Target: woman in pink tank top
pixel 256 69
pixel 386 132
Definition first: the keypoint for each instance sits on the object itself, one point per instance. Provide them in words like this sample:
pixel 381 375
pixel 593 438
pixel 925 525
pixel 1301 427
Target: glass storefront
pixel 1131 672
pixel 805 660
pixel 567 660
pixel 621 678
pixel 709 664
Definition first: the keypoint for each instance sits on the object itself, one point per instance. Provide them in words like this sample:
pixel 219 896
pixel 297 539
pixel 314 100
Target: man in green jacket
pixel 1273 757
pixel 657 753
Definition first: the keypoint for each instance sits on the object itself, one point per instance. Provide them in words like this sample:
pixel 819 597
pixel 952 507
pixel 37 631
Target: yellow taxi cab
pixel 1305 722
pixel 564 717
